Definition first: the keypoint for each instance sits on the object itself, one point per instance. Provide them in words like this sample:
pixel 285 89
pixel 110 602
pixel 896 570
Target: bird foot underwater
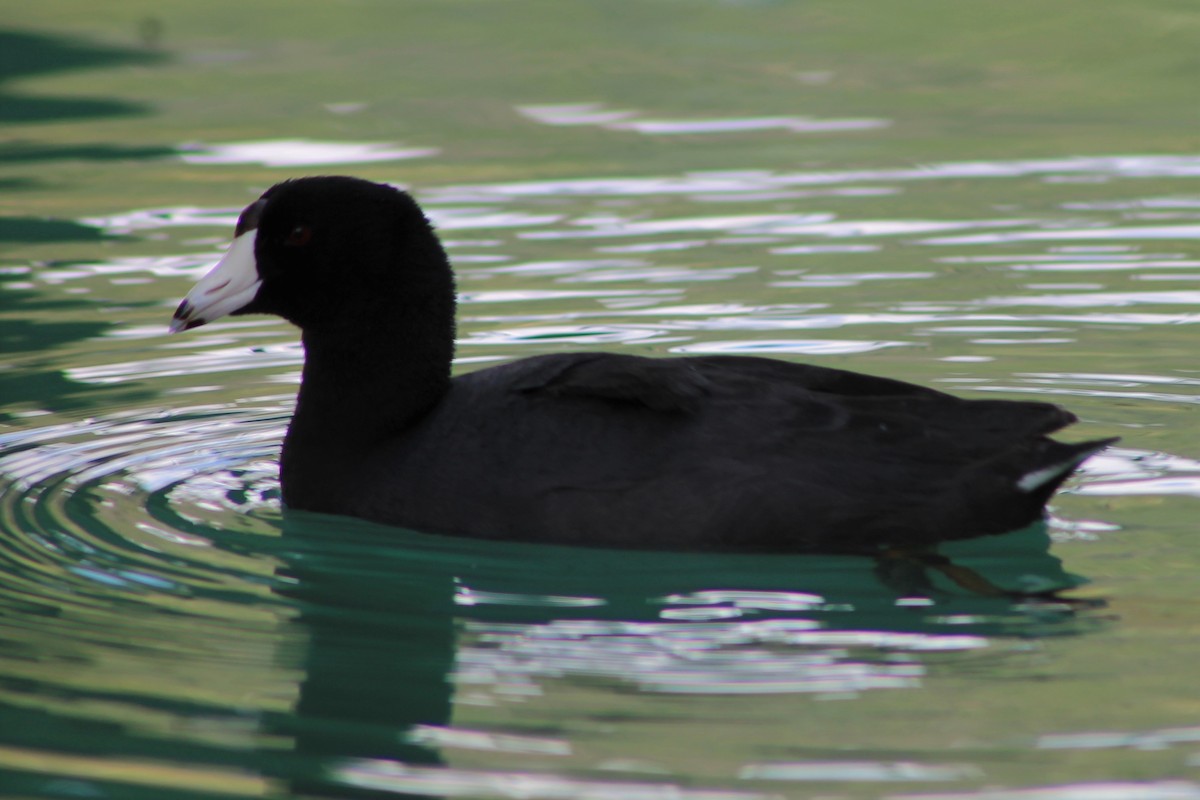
pixel 907 573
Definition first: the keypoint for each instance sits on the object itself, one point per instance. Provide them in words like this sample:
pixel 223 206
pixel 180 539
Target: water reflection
pixel 37 229
pixel 396 778
pixel 27 54
pixel 151 219
pixel 400 636
pixel 860 771
pixel 1085 234
pixel 570 114
pixel 1141 740
pixel 1114 790
pixel 29 385
pixel 299 153
pixel 25 152
pixel 741 181
pixel 802 346
pixel 160 603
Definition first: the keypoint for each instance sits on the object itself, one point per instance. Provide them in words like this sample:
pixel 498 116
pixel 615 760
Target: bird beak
pixel 229 286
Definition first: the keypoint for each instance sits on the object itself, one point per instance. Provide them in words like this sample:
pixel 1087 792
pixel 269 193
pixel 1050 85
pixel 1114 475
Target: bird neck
pixel 365 384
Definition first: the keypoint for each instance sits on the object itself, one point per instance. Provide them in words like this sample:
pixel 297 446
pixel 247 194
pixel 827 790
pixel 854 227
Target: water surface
pixel 995 204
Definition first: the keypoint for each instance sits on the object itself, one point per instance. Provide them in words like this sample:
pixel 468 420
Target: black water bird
pixel 605 449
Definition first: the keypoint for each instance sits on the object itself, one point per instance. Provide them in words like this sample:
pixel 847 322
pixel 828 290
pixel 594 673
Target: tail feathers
pixel 1043 480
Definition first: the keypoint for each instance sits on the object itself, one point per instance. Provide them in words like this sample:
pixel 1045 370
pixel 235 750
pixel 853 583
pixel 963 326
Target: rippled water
pixel 168 630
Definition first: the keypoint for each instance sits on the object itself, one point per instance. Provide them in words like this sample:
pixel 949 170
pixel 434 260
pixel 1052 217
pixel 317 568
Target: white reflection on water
pixel 660 275
pixel 575 334
pixel 566 267
pixel 1142 474
pixel 523 295
pixel 779 235
pixel 1142 740
pixel 574 114
pixel 462 739
pixel 191 216
pixel 835 280
pixel 1136 205
pixel 741 181
pixel 392 776
pixel 823 249
pixel 712 654
pixel 1106 233
pixel 80 497
pixel 1111 790
pixel 466 596
pixel 158 218
pixel 803 346
pixel 1076 262
pixel 747 600
pixel 201 362
pixel 458 219
pixel 299 153
pixel 1088 299
pixel 1124 386
pixel 655 247
pixel 189 266
pixel 155 448
pixel 577 114
pixel 738 125
pixel 822 225
pixel 859 771
pixel 614 225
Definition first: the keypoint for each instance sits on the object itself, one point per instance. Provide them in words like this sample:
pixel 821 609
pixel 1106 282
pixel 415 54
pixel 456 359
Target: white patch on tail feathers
pixel 1040 477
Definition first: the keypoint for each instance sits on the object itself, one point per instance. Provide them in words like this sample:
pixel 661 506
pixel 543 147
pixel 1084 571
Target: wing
pixel 691 385
pixel 674 385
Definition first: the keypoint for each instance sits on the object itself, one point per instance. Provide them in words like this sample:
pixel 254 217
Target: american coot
pixel 597 448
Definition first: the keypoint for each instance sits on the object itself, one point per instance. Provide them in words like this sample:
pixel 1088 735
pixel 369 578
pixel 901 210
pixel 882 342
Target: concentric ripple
pixel 129 501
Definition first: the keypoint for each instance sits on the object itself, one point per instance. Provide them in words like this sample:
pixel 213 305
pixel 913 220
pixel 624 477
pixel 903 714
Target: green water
pixel 994 199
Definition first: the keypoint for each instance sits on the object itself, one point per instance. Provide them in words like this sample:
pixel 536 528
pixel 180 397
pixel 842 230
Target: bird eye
pixel 300 236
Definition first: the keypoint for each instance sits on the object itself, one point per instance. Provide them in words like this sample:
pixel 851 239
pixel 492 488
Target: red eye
pixel 300 236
